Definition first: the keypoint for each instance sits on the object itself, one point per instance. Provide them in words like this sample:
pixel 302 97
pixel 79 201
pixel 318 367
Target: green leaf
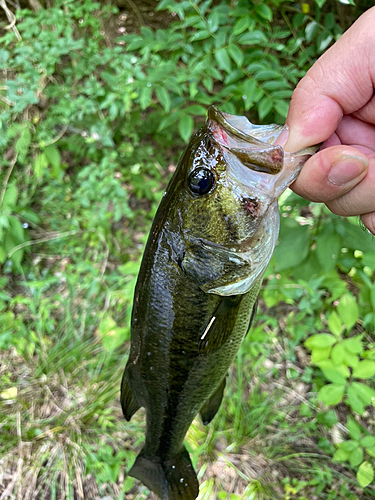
pixel 318 355
pixel 331 394
pixel 163 97
pixel 311 31
pixel 354 429
pixel 264 107
pixel 334 324
pixel 53 156
pixel 328 251
pixel 10 196
pixel 356 457
pixel 354 345
pixel 336 374
pixel 348 310
pixel 349 446
pixel 22 145
pixel 323 40
pixel 364 369
pixel 341 455
pixel 145 97
pixel 264 11
pixel 354 401
pixel 40 165
pixel 364 392
pixel 241 25
pixel 282 107
pixel 185 127
pixel 368 441
pixel 168 121
pixel 292 248
pixel 365 474
pixel 356 238
pixel 338 354
pixel 223 60
pixel 320 340
pixel 236 54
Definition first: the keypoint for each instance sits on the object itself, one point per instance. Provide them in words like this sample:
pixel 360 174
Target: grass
pixel 63 435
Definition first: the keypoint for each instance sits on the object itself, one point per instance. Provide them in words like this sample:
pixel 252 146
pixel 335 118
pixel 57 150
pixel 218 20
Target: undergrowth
pixel 94 115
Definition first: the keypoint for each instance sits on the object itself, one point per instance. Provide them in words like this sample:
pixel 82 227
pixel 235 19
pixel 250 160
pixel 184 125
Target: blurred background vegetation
pixel 97 101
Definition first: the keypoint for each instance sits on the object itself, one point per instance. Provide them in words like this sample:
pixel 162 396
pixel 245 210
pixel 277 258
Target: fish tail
pixel 173 479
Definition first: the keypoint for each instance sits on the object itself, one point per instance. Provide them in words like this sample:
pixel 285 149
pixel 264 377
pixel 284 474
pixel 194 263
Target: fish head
pixel 229 180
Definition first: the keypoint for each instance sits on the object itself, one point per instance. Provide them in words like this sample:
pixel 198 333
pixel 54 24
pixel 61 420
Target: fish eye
pixel 201 181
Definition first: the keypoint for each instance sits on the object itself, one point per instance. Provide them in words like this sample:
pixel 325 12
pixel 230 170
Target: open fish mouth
pixel 252 157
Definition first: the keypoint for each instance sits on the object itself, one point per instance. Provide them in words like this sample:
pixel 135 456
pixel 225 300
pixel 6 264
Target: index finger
pixel 340 82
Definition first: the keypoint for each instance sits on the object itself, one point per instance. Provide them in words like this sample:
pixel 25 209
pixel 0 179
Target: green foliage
pixel 88 121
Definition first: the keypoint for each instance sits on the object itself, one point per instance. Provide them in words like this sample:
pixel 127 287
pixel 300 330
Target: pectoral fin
pixel 212 405
pixel 221 324
pixel 253 313
pixel 128 402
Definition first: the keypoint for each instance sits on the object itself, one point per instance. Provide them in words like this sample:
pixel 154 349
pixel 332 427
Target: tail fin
pixel 174 479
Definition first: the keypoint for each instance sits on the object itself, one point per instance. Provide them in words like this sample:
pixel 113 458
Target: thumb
pixel 340 82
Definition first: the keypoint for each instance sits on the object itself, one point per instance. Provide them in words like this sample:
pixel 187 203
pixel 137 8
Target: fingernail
pixel 283 137
pixel 346 169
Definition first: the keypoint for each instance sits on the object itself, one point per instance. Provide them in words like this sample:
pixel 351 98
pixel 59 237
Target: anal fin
pixel 128 402
pixel 212 405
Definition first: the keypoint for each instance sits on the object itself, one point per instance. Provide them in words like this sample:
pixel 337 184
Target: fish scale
pixel 211 240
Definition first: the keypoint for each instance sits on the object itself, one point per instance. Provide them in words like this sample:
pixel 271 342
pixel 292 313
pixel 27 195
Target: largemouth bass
pixel 210 243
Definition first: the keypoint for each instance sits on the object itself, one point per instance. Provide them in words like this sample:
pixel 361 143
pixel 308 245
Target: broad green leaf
pixel 349 446
pixel 145 97
pixel 40 165
pixel 292 248
pixel 22 145
pixel 364 369
pixel 341 455
pixel 264 107
pixel 348 310
pixel 328 251
pixel 18 232
pixel 336 374
pixel 168 121
pixel 10 196
pixel 354 429
pixel 223 60
pixel 356 238
pixel 354 401
pixel 311 31
pixel 320 340
pixel 282 107
pixel 368 441
pixel 185 127
pixel 236 54
pixel 323 40
pixel 354 344
pixel 331 394
pixel 365 474
pixel 364 392
pixel 264 11
pixel 320 3
pixel 356 457
pixel 338 354
pixel 53 155
pixel 241 25
pixel 318 355
pixel 163 97
pixel 334 324
pixel 253 38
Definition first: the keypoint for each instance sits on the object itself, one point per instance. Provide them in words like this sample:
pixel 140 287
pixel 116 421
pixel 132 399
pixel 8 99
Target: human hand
pixel 335 104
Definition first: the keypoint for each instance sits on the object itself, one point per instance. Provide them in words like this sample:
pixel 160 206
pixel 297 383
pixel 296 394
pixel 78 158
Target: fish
pixel 196 294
